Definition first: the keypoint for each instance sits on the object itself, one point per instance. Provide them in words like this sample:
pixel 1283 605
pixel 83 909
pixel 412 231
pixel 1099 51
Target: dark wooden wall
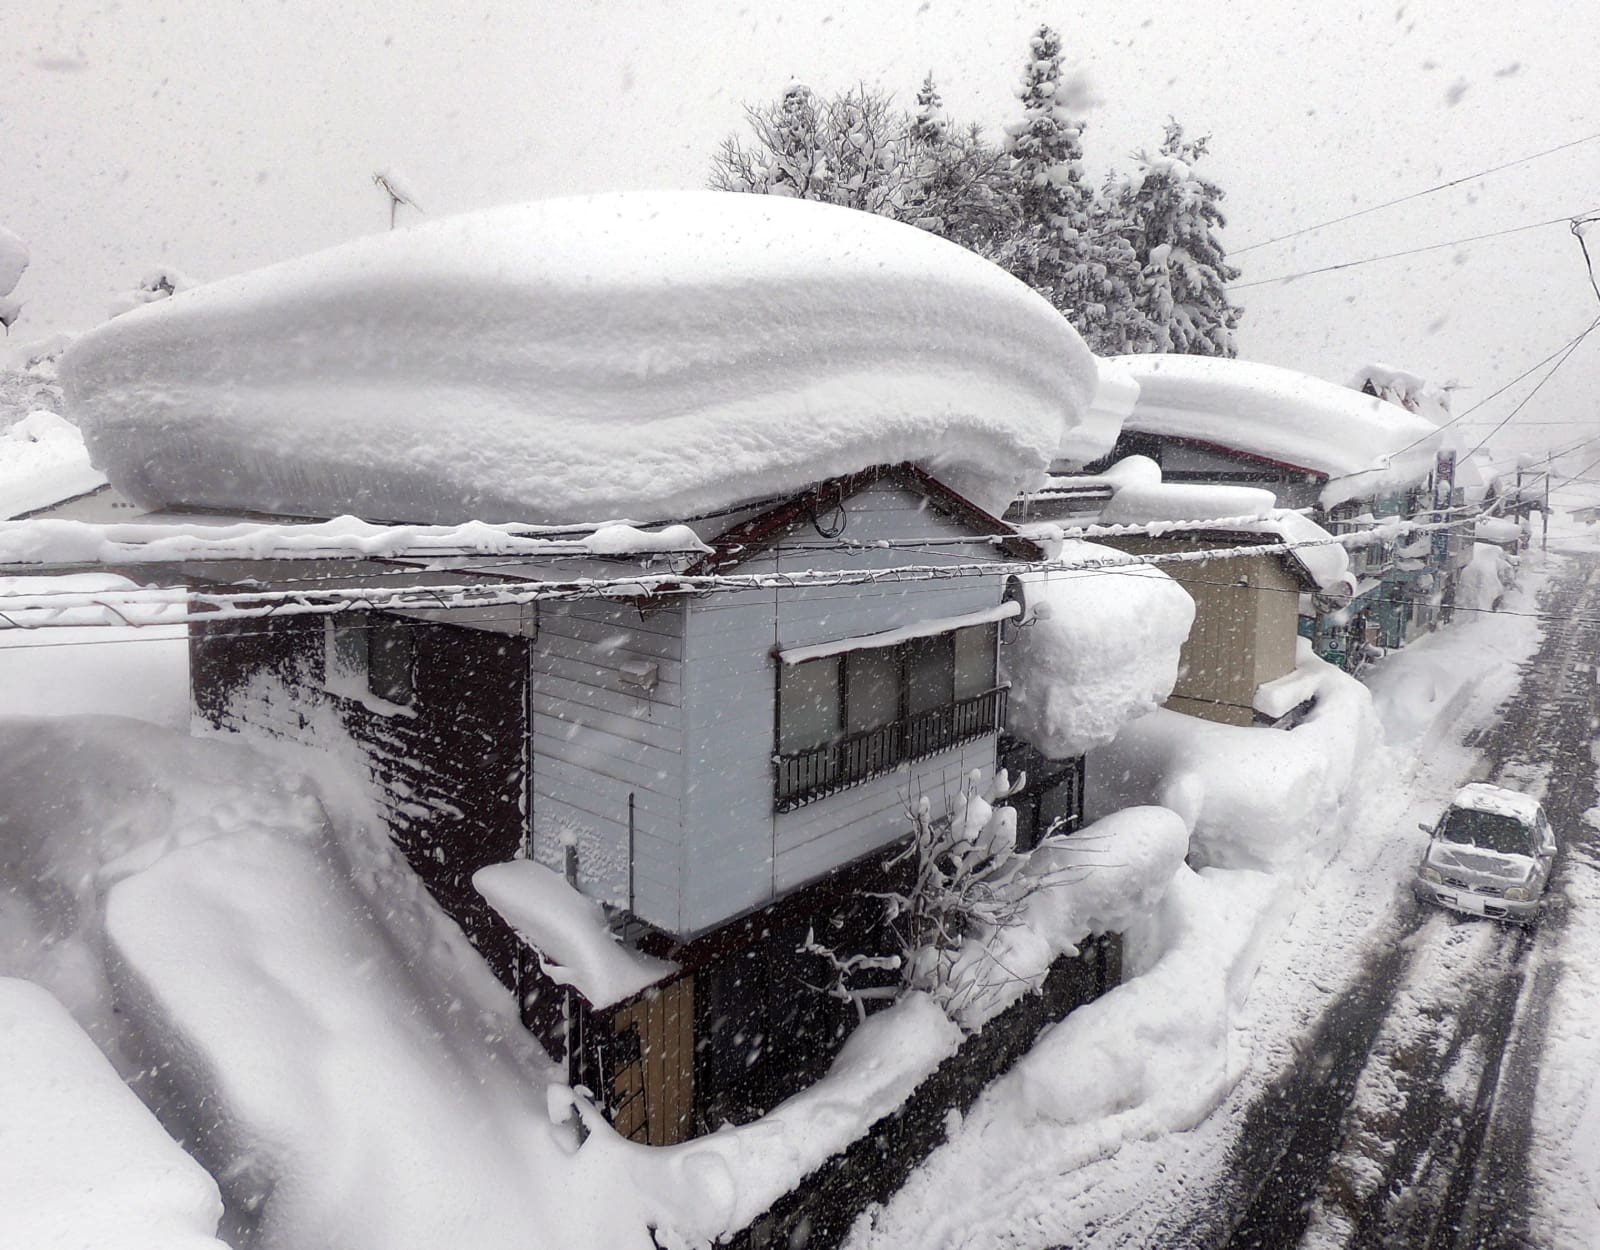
pixel 452 778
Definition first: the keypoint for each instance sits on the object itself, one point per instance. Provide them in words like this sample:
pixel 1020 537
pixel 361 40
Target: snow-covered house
pixel 1362 465
pixel 1247 606
pixel 640 769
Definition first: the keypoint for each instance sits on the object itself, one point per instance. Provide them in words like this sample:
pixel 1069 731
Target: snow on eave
pixel 653 354
pixel 754 533
pixel 1115 394
pixel 1359 444
pixel 175 539
pixel 569 933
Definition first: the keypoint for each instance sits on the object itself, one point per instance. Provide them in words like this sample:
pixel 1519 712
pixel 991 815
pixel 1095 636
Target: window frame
pixel 850 757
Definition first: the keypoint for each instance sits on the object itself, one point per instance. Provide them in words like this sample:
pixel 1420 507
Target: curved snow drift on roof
pixel 1361 444
pixel 647 355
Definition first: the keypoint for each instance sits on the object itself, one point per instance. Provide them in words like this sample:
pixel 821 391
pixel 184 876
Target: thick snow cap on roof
pixel 647 355
pixel 1115 393
pixel 1361 444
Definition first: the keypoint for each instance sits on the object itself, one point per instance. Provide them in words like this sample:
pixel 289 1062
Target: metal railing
pixel 807 776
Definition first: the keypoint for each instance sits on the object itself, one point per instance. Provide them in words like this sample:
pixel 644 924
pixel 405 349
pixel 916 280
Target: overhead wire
pixel 1410 251
pixel 1414 195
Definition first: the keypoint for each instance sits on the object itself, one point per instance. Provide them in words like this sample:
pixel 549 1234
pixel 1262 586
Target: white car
pixel 1491 855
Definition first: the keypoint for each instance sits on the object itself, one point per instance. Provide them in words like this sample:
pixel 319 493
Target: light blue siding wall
pixel 738 854
pixel 597 740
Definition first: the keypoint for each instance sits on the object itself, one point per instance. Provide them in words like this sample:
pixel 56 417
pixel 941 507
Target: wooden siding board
pixel 641 731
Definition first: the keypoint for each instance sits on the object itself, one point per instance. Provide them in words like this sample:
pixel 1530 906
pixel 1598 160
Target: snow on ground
pixel 1099 1135
pixel 285 995
pixel 654 354
pixel 82 1162
pixel 1252 798
pixel 95 665
pixel 1363 444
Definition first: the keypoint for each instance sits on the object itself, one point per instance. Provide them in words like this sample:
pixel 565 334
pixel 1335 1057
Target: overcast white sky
pixel 217 137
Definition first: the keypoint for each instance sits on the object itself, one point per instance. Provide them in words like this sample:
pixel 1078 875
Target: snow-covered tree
pixel 963 884
pixel 851 149
pixel 929 127
pixel 1169 214
pixel 1046 149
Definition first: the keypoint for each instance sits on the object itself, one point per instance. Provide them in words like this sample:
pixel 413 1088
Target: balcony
pixel 808 776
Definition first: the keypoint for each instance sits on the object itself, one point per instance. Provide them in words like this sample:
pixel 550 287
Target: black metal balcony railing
pixel 807 776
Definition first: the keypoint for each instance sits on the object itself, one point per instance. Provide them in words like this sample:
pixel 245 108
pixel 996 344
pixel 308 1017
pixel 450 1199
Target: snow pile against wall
pixel 1486 578
pixel 1097 648
pixel 1361 443
pixel 82 1162
pixel 320 1037
pixel 647 355
pixel 1252 797
pixel 1155 1051
pixel 42 462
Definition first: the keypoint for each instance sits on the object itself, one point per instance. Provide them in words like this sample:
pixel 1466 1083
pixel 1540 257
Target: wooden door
pixel 652 1083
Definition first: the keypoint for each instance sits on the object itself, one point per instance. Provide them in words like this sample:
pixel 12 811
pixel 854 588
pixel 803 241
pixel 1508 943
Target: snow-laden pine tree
pixel 1063 248
pixel 929 126
pixel 1046 150
pixel 1169 213
pixel 959 183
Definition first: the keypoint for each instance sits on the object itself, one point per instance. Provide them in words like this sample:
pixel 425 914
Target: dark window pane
pixel 389 645
pixel 872 688
pixel 930 673
pixel 975 651
pixel 808 704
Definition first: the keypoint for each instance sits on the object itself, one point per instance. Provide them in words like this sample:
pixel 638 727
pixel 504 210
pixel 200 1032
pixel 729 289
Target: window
pixel 389 658
pixel 369 657
pixel 872 689
pixel 843 719
pixel 809 700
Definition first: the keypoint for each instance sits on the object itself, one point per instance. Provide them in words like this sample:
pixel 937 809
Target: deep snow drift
pixel 82 1162
pixel 649 355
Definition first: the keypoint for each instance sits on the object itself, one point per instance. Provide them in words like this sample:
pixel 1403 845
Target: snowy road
pixel 1411 1116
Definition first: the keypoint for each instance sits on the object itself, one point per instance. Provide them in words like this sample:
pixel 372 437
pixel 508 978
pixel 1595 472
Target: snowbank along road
pixel 1409 1120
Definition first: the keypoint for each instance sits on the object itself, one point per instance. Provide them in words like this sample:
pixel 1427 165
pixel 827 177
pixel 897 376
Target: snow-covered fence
pixel 819 1211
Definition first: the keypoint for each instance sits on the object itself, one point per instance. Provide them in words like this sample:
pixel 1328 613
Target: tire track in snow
pixel 1395 1130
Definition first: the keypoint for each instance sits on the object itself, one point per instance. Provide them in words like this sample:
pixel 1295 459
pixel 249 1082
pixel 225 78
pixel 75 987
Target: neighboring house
pixel 723 771
pixel 1247 607
pixel 1354 459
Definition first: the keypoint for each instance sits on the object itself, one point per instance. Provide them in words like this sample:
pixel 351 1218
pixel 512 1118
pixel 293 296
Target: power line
pixel 1414 195
pixel 1487 399
pixel 1523 403
pixel 1411 251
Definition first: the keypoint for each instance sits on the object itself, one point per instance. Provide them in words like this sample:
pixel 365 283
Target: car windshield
pixel 1488 831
